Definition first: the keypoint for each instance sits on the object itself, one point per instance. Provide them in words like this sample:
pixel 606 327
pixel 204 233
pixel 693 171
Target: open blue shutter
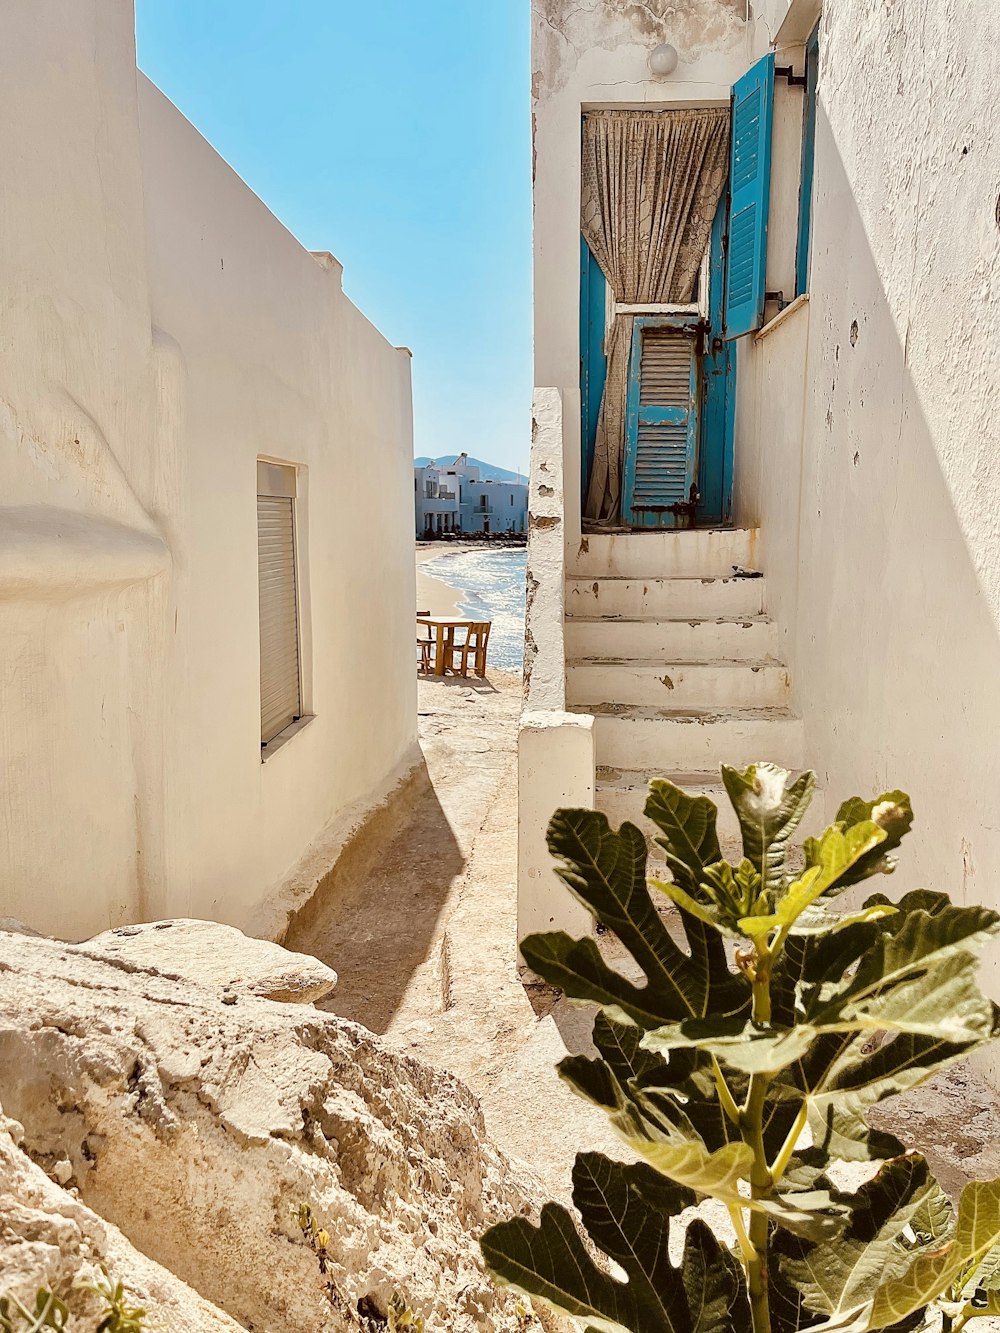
pixel 593 362
pixel 749 196
pixel 808 155
pixel 661 431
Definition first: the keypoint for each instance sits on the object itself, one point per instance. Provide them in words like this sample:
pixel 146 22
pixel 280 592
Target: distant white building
pixel 435 500
pixel 455 499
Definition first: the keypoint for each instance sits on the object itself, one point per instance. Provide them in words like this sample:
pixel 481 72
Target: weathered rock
pixel 15 927
pixel 199 1127
pixel 49 1239
pixel 214 955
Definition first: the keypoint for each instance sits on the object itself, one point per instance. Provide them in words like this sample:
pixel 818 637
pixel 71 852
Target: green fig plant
pixel 739 1068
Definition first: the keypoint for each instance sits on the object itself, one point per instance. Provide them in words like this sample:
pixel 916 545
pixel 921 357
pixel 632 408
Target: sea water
pixel 492 584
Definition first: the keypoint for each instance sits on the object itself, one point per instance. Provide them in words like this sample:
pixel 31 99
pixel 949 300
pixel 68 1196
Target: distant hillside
pixel 486 470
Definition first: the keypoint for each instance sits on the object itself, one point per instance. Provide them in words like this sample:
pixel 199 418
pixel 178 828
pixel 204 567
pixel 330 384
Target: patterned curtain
pixel 652 181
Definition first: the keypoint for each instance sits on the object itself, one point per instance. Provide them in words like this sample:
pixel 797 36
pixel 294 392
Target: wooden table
pixel 444 628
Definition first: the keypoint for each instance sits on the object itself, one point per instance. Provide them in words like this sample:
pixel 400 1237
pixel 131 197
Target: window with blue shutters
pixel 749 196
pixel 661 432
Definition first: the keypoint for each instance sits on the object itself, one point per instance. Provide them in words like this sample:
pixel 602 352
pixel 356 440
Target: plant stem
pixel 752 1126
pixel 725 1095
pixel 746 1249
pixel 780 1164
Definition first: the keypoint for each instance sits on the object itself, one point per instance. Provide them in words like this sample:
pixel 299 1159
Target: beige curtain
pixel 651 185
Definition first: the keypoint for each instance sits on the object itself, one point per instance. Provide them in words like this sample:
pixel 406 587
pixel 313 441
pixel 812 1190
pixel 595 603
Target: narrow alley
pixel 438 979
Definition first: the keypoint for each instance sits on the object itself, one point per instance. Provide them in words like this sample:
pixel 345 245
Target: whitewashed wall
pixel 161 331
pixel 899 607
pixel 879 491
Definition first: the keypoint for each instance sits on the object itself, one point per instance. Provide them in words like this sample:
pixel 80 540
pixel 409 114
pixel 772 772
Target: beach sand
pixel 435 598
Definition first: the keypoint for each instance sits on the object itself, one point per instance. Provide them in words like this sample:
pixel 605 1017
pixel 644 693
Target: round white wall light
pixel 663 60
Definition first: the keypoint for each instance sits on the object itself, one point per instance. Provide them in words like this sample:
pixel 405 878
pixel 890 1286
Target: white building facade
pixel 455 499
pixel 189 727
pixel 853 456
pixel 436 501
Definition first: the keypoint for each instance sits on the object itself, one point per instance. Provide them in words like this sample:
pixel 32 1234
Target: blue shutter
pixel 661 430
pixel 749 196
pixel 808 156
pixel 593 362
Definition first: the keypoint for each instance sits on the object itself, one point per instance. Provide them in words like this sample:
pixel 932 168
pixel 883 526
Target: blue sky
pixel 397 135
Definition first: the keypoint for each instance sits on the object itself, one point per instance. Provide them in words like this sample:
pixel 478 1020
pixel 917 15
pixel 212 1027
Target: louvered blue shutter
pixel 749 196
pixel 661 430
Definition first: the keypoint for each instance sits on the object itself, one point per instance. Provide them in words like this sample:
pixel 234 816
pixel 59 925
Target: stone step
pixel 704 598
pixel 701 553
pixel 634 737
pixel 711 685
pixel 723 638
pixel 621 795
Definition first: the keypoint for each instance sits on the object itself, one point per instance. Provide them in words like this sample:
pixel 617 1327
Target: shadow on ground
pixel 380 929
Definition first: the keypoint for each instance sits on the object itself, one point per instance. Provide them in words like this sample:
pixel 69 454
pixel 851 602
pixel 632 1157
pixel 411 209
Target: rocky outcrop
pixel 217 956
pixel 48 1239
pixel 197 1119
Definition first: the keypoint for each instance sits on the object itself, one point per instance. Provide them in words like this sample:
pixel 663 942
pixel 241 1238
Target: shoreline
pixel 434 596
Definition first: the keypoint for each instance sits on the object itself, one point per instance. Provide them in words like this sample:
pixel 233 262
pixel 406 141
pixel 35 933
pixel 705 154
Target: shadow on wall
pixel 375 919
pixel 897 658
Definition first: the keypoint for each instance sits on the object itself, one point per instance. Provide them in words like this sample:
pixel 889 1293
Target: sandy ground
pixel 435 598
pixel 425 950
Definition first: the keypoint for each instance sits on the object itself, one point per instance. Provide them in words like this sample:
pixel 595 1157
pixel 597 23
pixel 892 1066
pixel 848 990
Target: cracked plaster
pixel 564 32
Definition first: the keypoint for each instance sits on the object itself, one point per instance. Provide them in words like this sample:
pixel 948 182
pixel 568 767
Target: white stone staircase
pixel 675 657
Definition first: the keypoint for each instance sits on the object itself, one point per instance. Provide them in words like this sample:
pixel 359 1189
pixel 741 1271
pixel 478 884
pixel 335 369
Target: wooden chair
pixel 457 652
pixel 425 647
pixel 477 644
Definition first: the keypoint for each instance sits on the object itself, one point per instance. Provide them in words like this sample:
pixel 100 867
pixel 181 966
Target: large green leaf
pixel 836 1279
pixel 611 1082
pixel 606 871
pixel 944 1004
pixel 745 1046
pixel 687 823
pixel 977 1231
pixel 910 972
pixel 717 1175
pixel 842 1132
pixel 832 857
pixel 670 1100
pixel 626 1211
pixel 714 1175
pixel 893 813
pixel 925 929
pixel 714 1283
pixel 769 810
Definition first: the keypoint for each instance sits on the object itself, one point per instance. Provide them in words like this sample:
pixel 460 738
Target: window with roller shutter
pixel 277 574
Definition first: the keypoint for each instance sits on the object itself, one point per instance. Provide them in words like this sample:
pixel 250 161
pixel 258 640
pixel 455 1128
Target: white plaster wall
pixel 278 363
pixel 770 405
pixel 83 587
pixel 899 610
pixel 160 331
pixel 595 54
pixel 896 616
